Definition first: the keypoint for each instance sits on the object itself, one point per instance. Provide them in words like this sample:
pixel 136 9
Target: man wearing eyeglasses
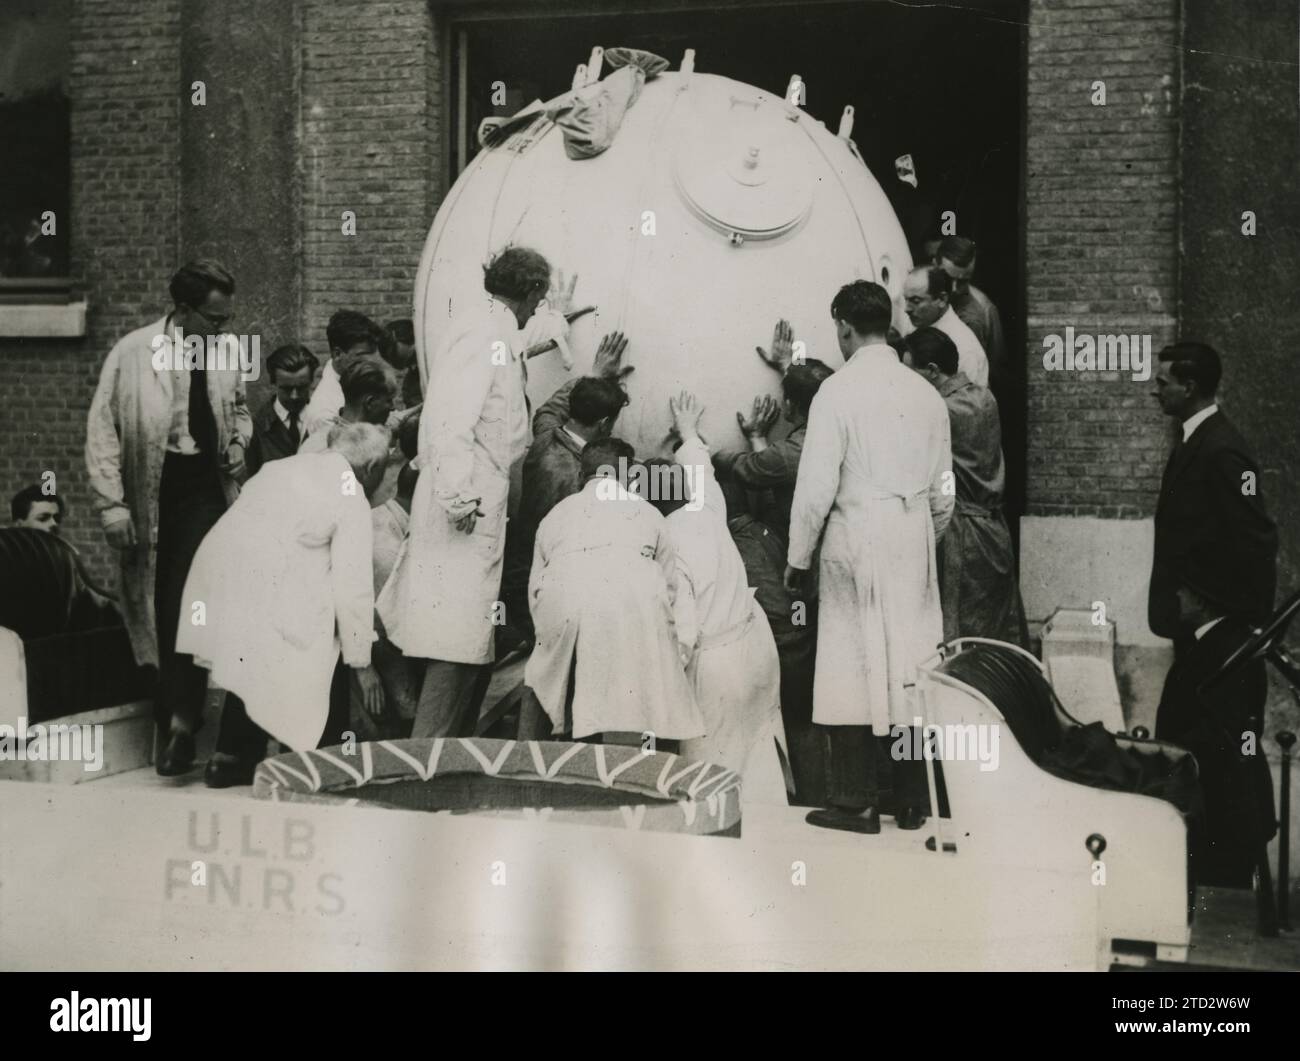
pixel 165 444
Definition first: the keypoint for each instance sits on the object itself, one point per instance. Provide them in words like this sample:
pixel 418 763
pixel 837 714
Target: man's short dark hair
pixel 516 273
pixel 291 358
pixel 668 485
pixel 801 383
pixel 918 247
pixel 593 398
pixel 1193 362
pixel 937 282
pixel 959 250
pixel 864 306
pixel 403 331
pixel 21 505
pixel 347 328
pixel 366 377
pixel 602 453
pixel 895 342
pixel 930 346
pixel 194 281
pixel 392 334
pixel 408 435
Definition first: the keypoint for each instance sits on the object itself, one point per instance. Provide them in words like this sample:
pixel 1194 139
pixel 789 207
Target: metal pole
pixel 1286 740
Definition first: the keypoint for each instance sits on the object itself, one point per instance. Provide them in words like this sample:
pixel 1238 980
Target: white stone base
pixel 1076 561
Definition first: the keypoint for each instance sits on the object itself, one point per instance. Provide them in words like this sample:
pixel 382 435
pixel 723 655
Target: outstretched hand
pixel 782 347
pixel 608 363
pixel 560 297
pixel 761 419
pixel 686 411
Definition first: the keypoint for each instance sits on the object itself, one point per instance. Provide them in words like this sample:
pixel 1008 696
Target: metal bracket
pixel 594 64
pixel 846 123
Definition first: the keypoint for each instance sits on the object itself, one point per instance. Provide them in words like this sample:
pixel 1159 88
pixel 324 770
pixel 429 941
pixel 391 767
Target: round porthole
pixel 886 276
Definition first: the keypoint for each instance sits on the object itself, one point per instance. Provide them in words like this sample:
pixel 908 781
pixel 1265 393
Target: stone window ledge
pixel 41 309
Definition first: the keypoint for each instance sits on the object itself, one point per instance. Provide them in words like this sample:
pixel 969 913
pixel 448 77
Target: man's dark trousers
pixel 241 737
pixel 863 773
pixel 190 501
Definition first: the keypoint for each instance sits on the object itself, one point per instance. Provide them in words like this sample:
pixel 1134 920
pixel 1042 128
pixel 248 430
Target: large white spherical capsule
pixel 718 209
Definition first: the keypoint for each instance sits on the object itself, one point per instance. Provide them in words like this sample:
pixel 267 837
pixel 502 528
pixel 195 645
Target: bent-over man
pixel 977 564
pixel 731 658
pixel 282 585
pixel 602 590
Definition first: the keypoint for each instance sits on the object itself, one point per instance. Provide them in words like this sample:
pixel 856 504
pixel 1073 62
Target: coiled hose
pixel 1016 688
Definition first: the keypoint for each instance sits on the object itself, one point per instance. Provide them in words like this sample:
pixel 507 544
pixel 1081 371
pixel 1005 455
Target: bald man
pixel 927 297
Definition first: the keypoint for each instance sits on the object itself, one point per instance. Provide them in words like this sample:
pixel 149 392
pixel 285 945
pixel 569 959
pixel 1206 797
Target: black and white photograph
pixel 626 486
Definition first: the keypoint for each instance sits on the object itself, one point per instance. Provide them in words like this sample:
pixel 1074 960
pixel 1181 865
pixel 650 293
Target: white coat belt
pixel 908 500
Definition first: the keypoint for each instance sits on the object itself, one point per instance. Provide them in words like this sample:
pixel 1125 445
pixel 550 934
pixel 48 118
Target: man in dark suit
pixel 1210 500
pixel 277 429
pixel 1221 726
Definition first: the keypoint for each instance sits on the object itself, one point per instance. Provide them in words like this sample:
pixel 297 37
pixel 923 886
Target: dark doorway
pixel 945 85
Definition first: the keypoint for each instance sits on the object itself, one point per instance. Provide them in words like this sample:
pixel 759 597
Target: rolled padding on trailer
pixel 592 784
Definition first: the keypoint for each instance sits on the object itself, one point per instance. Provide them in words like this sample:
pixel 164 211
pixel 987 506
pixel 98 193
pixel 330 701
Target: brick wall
pixel 371 113
pixel 1101 224
pixel 125 90
pixel 368 139
pixel 1240 153
pixel 1101 244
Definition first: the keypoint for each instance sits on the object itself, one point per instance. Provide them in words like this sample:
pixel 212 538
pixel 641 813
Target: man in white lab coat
pixel 875 488
pixel 927 296
pixel 278 588
pixel 165 441
pixel 601 590
pixel 726 642
pixel 442 599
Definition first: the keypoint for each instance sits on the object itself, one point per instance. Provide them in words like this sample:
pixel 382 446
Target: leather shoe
pixel 227 773
pixel 177 757
pixel 867 821
pixel 909 818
